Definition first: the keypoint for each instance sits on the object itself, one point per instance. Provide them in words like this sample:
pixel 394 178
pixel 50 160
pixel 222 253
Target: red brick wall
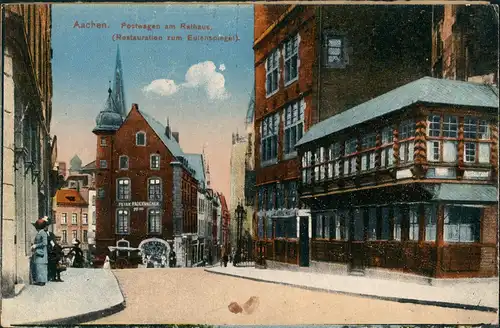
pixel 265 15
pixel 189 202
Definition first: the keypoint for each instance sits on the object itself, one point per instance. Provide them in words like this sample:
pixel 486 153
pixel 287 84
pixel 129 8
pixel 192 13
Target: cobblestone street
pixel 195 296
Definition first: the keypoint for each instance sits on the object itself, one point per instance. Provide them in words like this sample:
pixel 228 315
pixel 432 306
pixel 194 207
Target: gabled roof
pixel 424 90
pixel 69 197
pixel 196 162
pixel 159 129
pixel 89 167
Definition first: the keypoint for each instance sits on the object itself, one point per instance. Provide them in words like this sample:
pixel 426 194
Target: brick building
pixel 28 150
pixel 71 217
pixel 146 188
pixel 312 62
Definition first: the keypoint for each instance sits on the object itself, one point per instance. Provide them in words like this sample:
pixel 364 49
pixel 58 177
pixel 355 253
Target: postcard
pixel 260 164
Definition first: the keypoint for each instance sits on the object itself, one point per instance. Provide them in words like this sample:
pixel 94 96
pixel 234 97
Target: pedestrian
pixel 52 260
pixel 172 259
pixel 58 254
pixel 40 255
pixel 225 257
pixel 222 253
pixel 77 253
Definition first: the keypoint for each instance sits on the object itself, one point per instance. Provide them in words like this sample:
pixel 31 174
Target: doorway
pixel 304 241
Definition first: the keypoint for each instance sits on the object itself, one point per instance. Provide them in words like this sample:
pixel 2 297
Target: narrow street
pixel 188 296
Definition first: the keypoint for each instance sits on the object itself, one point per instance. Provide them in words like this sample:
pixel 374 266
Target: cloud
pixel 162 87
pixel 202 76
pixel 222 67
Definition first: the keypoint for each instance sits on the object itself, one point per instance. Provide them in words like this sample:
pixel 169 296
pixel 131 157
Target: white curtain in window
pixel 364 160
pixel 327 227
pixel 346 167
pixel 450 151
pixel 411 148
pixel 353 164
pixel 413 223
pixel 431 151
pixel 484 152
pixel 372 160
pixel 337 218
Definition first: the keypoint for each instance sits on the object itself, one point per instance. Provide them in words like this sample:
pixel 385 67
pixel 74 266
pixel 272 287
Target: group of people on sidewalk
pixel 47 258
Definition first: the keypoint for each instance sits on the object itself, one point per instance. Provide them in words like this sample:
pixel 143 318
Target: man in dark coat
pixel 172 259
pixel 52 260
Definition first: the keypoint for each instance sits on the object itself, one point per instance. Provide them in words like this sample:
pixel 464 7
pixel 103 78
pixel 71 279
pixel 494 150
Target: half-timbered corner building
pixel 407 181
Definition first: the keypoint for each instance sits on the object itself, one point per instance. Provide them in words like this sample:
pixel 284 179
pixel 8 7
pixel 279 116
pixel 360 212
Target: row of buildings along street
pixel 370 142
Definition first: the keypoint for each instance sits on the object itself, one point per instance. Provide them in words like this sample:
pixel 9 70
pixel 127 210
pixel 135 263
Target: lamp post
pixel 240 215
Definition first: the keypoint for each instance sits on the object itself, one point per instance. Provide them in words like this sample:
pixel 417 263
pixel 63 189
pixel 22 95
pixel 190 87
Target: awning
pixel 462 192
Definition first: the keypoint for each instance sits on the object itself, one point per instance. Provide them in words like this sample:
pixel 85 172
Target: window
pixel 334 157
pixel 271 193
pixel 100 193
pixel 64 218
pixel 372 223
pixel 306 167
pixel 269 138
pixel 335 55
pixel 406 141
pixel 85 236
pixel 414 217
pixel 74 218
pixel 122 221
pixel 294 125
pixel 386 223
pixel 260 227
pixel 442 138
pixel 368 152
pixel 74 235
pixel 291 60
pixel 154 221
pixel 123 192
pixel 387 148
pixel 272 72
pixel 123 162
pixel 476 132
pixel 140 139
pixel 359 225
pixel 155 162
pixel 320 166
pixel 154 189
pixel 93 218
pixel 350 158
pixel 103 164
pixel 103 142
pixel 462 224
pixel 269 228
pixel 398 218
pixel 64 237
pixel 430 222
pixel 290 190
pixel 93 200
pixel 85 218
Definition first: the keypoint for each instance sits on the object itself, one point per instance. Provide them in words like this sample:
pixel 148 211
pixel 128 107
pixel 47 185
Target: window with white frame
pixel 350 158
pixel 93 218
pixel 320 167
pixel 306 167
pixel 154 162
pixel 291 59
pixel 123 162
pixel 414 222
pixel 430 222
pixel 334 158
pixel 442 138
pixel 406 138
pixel 272 72
pixel 74 218
pixel 387 148
pixel 103 164
pixel 477 147
pixel 103 142
pixel 154 189
pixel 93 200
pixel 122 221
pixel 462 224
pixel 64 218
pixel 74 234
pixel 85 218
pixel 335 54
pixel 123 189
pixel 294 125
pixel 140 138
pixel 368 151
pixel 398 219
pixel 154 220
pixel 269 138
pixel 64 237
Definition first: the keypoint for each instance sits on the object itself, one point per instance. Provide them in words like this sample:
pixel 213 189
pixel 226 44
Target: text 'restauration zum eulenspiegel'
pixel 158 32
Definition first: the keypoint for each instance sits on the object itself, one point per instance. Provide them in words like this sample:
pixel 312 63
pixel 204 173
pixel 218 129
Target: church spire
pixel 119 92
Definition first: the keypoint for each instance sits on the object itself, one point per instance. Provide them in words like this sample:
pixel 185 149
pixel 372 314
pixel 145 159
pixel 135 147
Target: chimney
pixel 167 129
pixel 175 135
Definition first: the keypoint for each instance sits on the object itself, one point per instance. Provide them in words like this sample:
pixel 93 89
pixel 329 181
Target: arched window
pixel 123 189
pixel 154 189
pixel 123 162
pixel 140 138
pixel 122 221
pixel 154 220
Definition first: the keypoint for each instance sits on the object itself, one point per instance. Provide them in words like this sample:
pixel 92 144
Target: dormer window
pixel 140 139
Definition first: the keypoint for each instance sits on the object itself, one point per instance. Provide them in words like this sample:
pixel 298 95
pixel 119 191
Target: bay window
pixel 291 59
pixel 406 140
pixel 334 156
pixel 350 157
pixel 269 138
pixel 294 125
pixel 368 152
pixel 272 72
pixel 476 137
pixel 462 224
pixel 442 138
pixel 387 148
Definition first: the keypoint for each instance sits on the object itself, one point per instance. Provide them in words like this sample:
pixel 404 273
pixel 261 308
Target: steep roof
pixel 424 90
pixel 196 162
pixel 89 167
pixel 70 197
pixel 159 129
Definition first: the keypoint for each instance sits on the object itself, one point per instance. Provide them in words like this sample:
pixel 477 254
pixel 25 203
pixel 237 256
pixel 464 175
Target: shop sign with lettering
pixel 138 204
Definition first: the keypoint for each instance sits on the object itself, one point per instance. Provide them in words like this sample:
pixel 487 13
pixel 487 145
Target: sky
pixel 202 87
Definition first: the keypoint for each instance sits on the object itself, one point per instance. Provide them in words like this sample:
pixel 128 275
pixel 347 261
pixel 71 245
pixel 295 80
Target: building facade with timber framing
pixel 313 62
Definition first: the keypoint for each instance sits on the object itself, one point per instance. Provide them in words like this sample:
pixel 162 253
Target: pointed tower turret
pixel 118 91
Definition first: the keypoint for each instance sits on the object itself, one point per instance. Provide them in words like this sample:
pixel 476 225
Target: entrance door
pixel 357 241
pixel 304 241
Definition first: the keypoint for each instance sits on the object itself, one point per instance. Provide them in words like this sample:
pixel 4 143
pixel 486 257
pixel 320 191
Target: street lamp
pixel 240 216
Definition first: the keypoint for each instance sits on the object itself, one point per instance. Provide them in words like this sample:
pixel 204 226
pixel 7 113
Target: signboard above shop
pixel 138 204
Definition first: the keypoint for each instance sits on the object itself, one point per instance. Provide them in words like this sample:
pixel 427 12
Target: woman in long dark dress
pixel 77 253
pixel 40 254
